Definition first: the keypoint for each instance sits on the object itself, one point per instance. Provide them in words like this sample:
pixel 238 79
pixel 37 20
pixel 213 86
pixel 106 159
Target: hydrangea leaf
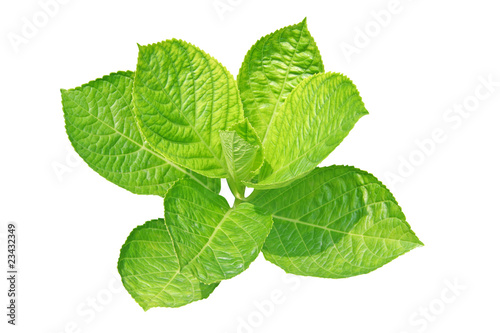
pixel 336 222
pixel 242 150
pixel 151 273
pixel 183 99
pixel 212 240
pixel 314 120
pixel 272 68
pixel 101 126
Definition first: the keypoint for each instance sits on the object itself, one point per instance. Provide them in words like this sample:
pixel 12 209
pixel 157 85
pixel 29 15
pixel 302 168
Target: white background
pixel 428 58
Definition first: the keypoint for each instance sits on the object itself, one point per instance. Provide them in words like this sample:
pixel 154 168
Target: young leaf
pixel 272 68
pixel 102 129
pixel 314 120
pixel 213 241
pixel 183 98
pixel 150 270
pixel 242 150
pixel 336 222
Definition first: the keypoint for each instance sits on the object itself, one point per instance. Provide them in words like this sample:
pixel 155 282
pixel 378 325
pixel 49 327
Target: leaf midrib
pixel 282 87
pixel 340 231
pixel 216 230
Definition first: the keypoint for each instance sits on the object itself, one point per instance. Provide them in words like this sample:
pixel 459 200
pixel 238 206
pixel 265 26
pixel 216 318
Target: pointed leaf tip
pixel 343 222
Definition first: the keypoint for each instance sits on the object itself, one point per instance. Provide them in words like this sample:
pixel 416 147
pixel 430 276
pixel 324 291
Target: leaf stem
pixel 238 190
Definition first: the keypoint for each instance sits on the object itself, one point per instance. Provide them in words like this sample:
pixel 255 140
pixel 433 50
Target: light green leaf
pixel 150 270
pixel 183 99
pixel 314 120
pixel 272 68
pixel 213 241
pixel 242 150
pixel 102 129
pixel 336 222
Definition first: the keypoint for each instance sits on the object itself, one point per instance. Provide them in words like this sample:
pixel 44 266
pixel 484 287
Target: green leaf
pixel 314 120
pixel 336 222
pixel 183 98
pixel 272 68
pixel 150 269
pixel 213 241
pixel 242 150
pixel 102 129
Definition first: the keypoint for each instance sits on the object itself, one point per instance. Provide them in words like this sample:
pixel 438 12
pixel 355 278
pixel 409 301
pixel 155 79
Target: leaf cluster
pixel 180 122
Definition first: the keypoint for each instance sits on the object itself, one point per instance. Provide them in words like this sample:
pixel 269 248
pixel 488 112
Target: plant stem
pixel 238 191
